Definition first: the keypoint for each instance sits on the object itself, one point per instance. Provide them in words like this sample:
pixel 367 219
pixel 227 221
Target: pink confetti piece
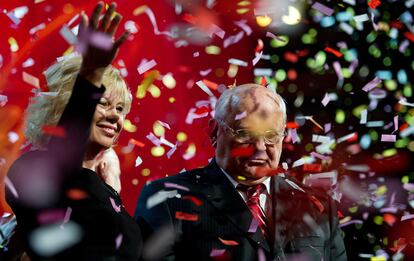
pixel 294 134
pixel 338 70
pixel 204 87
pixel 257 58
pixel 323 8
pixel 143 67
pixel 409 186
pixel 191 115
pixel 372 84
pixel 217 252
pixel 319 156
pixel 253 226
pixel 243 25
pixel 273 36
pixel 101 40
pixel 214 29
pixel 118 241
pixel 151 137
pixel 68 35
pixel 327 127
pixel 114 205
pixel 30 79
pixel 164 124
pixel 233 39
pixel 151 16
pixel 395 123
pixel 173 185
pixel 355 221
pixel 388 138
pixel 171 151
pixel 407 217
pixel 240 116
pixel 205 72
pixel 403 46
pixel 326 99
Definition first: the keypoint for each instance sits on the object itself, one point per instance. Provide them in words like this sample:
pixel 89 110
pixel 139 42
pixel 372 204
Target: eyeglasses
pixel 270 137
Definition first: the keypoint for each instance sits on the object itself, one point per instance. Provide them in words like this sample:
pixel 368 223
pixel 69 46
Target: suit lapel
pixel 223 196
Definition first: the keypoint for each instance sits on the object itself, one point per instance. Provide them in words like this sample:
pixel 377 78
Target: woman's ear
pixel 212 131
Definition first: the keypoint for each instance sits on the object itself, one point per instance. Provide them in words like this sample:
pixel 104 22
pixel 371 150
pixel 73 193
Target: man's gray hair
pixel 231 97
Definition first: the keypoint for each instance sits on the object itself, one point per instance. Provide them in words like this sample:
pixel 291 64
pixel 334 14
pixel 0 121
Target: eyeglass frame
pixel 252 138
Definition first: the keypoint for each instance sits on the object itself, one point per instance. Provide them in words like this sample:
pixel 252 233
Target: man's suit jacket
pixel 198 215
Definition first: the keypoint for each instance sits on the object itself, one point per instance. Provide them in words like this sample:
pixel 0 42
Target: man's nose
pixel 260 143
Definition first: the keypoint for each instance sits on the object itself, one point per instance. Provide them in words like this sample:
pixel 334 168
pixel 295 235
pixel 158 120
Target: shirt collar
pixel 266 182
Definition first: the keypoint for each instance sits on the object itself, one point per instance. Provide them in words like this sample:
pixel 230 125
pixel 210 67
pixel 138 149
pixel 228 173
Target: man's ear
pixel 212 131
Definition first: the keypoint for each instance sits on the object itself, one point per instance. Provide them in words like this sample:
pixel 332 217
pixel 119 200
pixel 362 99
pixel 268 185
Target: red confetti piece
pixel 339 213
pixel 210 84
pixel 390 219
pixel 353 138
pixel 374 3
pixel 317 203
pixel 409 36
pixel 292 125
pixel 186 216
pixel 242 151
pixel 54 131
pixel 399 245
pixel 312 167
pixel 76 194
pixel 193 199
pixel 228 242
pixel 137 143
pixel 202 109
pixel 334 52
pixel 263 81
pixel 291 57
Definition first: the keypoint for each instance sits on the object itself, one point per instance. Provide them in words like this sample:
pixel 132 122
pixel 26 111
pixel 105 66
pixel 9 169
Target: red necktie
pixel 253 202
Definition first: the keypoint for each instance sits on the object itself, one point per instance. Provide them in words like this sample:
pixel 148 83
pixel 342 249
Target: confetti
pixel 322 8
pixel 233 39
pixel 173 185
pixel 388 138
pixel 114 205
pixel 186 216
pixel 146 65
pixel 238 62
pixel 204 87
pixel 243 25
pixel 160 197
pixel 228 242
pixel 118 241
pixel 30 79
pixel 193 199
pixel 326 99
pixel 240 116
pixel 138 161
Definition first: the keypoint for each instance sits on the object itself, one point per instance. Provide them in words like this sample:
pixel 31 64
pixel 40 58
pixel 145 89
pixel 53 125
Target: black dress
pixel 64 211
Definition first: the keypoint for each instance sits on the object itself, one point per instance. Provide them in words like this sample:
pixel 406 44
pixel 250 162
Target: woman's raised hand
pixel 96 42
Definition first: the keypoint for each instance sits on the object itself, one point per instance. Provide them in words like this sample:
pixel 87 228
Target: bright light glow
pixel 293 17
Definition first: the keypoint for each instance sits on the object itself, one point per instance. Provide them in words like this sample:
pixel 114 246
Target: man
pixel 240 207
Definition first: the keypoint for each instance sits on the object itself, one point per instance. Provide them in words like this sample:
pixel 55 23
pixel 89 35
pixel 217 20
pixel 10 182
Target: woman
pixel 64 210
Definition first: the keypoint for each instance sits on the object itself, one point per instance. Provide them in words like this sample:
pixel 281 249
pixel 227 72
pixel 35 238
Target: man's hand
pixel 96 42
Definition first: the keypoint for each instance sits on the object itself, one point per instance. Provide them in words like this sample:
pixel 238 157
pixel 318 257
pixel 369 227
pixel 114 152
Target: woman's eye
pixel 120 109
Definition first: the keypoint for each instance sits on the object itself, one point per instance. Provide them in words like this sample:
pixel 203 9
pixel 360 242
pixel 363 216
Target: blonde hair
pixel 46 108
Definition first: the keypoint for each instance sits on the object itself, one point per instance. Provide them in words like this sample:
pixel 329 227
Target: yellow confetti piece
pixel 378 258
pixel 381 190
pixel 340 116
pixel 241 177
pixel 69 50
pixel 158 129
pixel 14 47
pixel 190 152
pixel 263 20
pixel 157 151
pixel 378 220
pixel 293 16
pixel 146 172
pixel 181 136
pixel 242 10
pixel 129 127
pixel 139 10
pixel 155 91
pixel 353 209
pixel 389 152
pixel 243 3
pixel 233 69
pixel 171 99
pixel 146 83
pixel 212 49
pixel 169 81
pixel 135 182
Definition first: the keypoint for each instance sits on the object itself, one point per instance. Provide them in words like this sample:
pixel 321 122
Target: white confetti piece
pixel 407 217
pixel 238 62
pixel 357 168
pixel 160 197
pixel 151 16
pixel 346 137
pixel 11 187
pixel 295 137
pixel 166 142
pixel 154 139
pixel 177 186
pixel 68 35
pixel 30 79
pixel 3 100
pixel 138 161
pixel 319 156
pixel 263 72
pixel 114 205
pixel 257 57
pixel 214 29
pixel 363 119
pixel 171 151
pixel 28 63
pixel 395 123
pixel 320 138
pixel 145 66
pixel 204 87
pixel 361 18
